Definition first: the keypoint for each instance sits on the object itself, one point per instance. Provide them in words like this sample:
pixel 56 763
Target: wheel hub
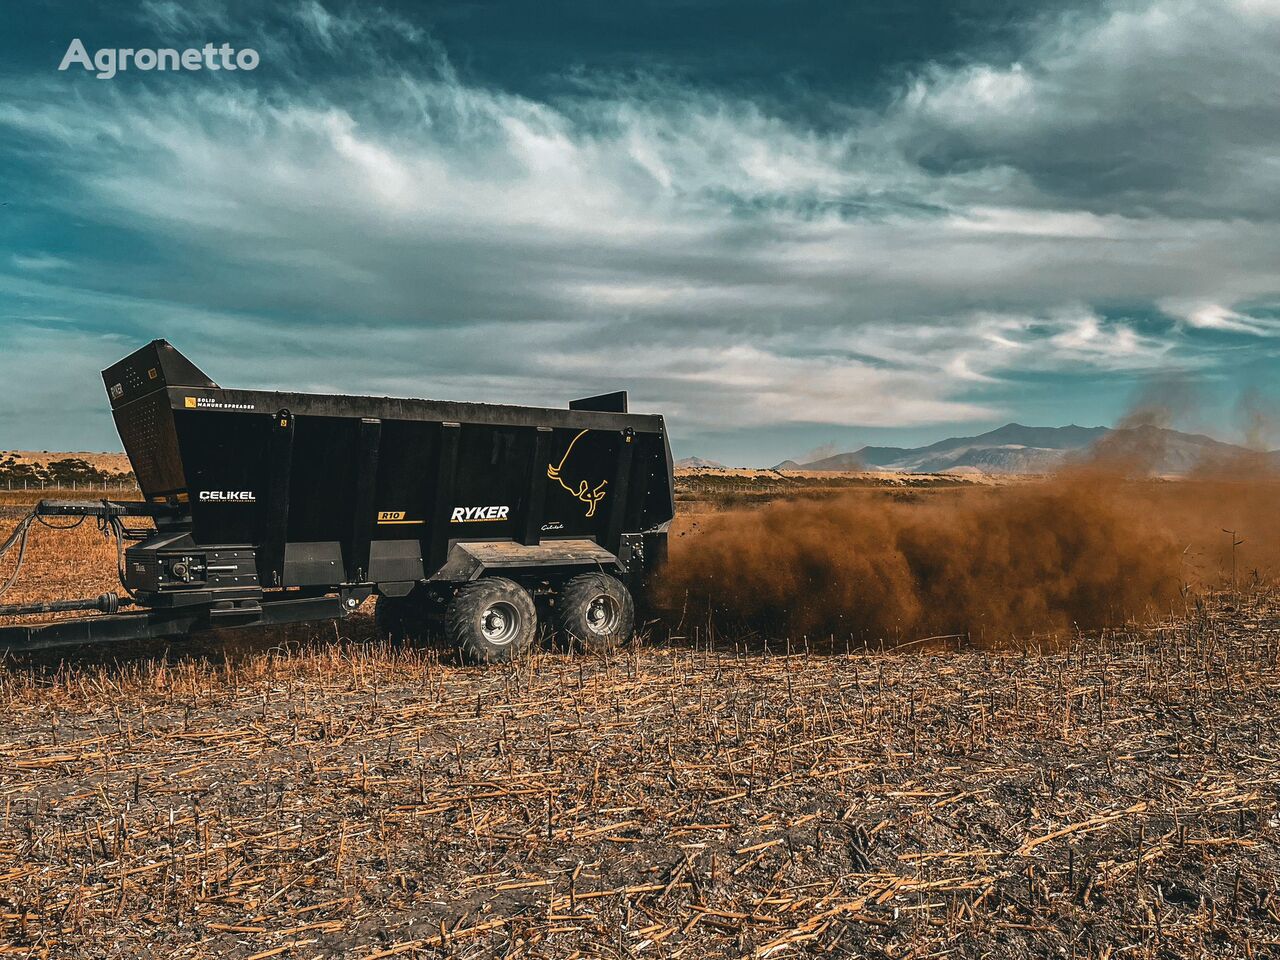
pixel 500 623
pixel 603 614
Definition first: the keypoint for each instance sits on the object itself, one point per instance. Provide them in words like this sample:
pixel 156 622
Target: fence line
pixel 87 485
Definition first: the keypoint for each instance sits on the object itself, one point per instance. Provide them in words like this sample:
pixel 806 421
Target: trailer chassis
pixel 189 613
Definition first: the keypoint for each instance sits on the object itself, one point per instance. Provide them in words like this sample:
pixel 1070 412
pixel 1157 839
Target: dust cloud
pixel 1096 545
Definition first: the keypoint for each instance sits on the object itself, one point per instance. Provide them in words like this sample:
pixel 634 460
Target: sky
pixel 787 226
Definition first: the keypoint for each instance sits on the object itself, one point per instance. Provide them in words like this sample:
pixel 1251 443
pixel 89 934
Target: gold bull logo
pixel 589 495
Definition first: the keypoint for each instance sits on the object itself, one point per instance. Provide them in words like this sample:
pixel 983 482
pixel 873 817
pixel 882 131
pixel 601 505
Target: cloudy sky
pixel 785 225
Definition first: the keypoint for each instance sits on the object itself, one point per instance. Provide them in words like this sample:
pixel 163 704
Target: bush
pixel 56 473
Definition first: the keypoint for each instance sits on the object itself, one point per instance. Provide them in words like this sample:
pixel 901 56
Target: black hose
pixel 114 526
pixel 109 526
pixel 18 537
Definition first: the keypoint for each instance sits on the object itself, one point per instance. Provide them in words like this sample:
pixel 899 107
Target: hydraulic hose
pixel 110 525
pixel 17 538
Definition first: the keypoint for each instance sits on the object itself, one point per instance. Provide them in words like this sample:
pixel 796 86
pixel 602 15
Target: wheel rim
pixel 500 623
pixel 604 613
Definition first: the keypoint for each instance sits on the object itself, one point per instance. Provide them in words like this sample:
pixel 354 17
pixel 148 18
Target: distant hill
pixel 1015 448
pixel 697 463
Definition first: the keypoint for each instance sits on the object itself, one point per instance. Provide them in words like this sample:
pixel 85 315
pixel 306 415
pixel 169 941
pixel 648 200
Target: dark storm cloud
pixel 1164 107
pixel 1091 203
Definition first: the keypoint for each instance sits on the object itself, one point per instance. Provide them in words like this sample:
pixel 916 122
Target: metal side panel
pixel 151 368
pixel 615 402
pixel 467 561
pixel 313 564
pixel 395 561
pixel 398 408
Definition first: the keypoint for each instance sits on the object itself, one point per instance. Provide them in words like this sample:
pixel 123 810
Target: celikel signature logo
pixel 589 495
pixel 227 496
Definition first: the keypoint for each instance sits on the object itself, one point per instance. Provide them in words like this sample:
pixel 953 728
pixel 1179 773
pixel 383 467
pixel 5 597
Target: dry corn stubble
pixel 346 799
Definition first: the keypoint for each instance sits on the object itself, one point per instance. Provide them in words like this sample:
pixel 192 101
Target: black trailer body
pixel 262 497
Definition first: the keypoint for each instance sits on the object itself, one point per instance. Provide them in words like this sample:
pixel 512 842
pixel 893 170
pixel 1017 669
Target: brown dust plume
pixel 1086 549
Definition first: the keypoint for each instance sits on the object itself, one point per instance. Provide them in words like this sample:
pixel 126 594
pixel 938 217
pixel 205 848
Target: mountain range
pixel 1015 448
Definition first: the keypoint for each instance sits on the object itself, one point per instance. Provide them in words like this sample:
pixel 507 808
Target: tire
pixel 596 613
pixel 491 620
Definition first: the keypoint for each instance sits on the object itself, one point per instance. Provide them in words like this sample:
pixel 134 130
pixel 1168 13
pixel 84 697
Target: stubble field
pixel 709 792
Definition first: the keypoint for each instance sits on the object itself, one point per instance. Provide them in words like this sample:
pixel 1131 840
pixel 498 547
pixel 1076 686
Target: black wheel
pixel 491 620
pixel 595 612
